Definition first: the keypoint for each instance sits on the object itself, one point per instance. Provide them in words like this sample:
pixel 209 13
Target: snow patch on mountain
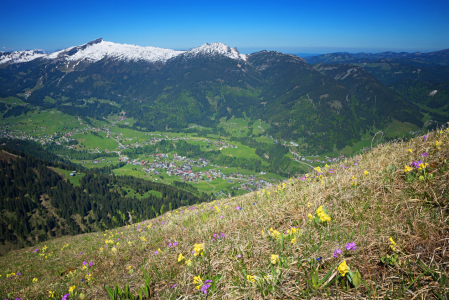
pixel 215 49
pixel 99 49
pixel 20 56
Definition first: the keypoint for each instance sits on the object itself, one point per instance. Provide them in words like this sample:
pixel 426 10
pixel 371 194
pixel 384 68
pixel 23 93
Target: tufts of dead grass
pixel 383 203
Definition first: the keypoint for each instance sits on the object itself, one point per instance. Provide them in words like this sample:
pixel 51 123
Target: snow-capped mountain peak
pixel 216 49
pixel 99 49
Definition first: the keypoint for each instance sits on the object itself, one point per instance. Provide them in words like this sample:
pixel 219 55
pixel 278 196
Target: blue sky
pixel 287 26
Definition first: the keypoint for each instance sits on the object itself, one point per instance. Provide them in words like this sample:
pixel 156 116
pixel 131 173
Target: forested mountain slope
pixel 37 204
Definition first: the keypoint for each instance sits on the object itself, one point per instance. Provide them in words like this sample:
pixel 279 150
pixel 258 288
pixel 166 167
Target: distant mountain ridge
pixel 437 57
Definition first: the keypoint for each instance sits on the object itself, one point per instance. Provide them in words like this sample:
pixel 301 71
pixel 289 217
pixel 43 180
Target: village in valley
pixel 110 139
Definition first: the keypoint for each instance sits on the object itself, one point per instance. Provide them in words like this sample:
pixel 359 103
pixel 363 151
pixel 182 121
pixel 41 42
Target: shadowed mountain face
pixel 420 78
pixel 329 105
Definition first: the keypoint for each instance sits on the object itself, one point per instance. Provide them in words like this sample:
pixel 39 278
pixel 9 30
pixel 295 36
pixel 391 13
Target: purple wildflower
pixel 91 263
pixel 212 240
pixel 65 297
pixel 416 164
pixel 215 235
pixel 175 244
pixel 424 154
pixel 173 286
pixel 238 256
pixel 156 252
pixel 206 286
pixel 351 246
pixel 169 245
pixel 84 263
pixel 337 253
pixel 425 137
pixel 35 250
pixel 222 236
pixel 221 217
pixel 18 273
pixel 355 164
pixel 237 207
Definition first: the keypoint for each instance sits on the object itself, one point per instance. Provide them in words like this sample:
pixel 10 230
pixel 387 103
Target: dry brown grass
pixel 383 204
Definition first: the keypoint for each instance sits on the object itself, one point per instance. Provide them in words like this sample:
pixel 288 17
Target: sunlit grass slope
pixel 374 226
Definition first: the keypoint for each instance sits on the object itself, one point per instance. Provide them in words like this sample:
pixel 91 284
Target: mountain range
pixel 328 106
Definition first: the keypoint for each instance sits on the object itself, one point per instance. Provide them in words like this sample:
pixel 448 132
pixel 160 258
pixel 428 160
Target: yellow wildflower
pixel 275 233
pixel 274 259
pixel 251 278
pixel 353 177
pixel 343 268
pixel 354 183
pixel 188 262
pixel 326 166
pixel 392 241
pixel 318 169
pixel 309 204
pixel 407 169
pixel 128 267
pixel 310 216
pixel 180 257
pixel 293 241
pixel 293 230
pixel 197 280
pixel 423 165
pixel 51 294
pixel 198 248
pixel 71 288
pixel 410 150
pixel 437 143
pixel 84 267
pixel 366 172
pixel 263 233
pixel 322 215
pixel 34 279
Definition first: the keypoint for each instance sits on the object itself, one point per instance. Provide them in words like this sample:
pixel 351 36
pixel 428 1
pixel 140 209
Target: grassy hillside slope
pixel 386 214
